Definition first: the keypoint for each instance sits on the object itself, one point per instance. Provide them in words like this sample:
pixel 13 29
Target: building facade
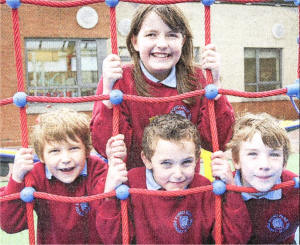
pixel 63 50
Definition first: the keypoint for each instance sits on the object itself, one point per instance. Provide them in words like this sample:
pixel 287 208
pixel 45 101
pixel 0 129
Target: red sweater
pixel 58 222
pixel 275 221
pixel 175 220
pixel 134 116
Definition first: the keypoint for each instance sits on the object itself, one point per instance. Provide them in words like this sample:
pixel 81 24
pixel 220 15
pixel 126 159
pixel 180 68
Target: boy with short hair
pixel 171 148
pixel 62 142
pixel 260 150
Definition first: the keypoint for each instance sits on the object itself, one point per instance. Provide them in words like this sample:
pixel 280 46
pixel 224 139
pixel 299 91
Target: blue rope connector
pixel 116 96
pixel 297 2
pixel 209 2
pixel 19 99
pixel 14 4
pixel 296 179
pixel 122 192
pixel 112 3
pixel 293 89
pixel 26 194
pixel 219 187
pixel 211 91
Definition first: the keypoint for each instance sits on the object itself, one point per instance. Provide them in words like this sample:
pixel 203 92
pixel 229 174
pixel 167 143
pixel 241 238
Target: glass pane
pixel 89 65
pixel 51 64
pixel 250 88
pixel 267 87
pixel 249 70
pixel 88 91
pixel 269 65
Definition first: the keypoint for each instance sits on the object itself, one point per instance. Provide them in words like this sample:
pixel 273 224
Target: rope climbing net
pixel 20 99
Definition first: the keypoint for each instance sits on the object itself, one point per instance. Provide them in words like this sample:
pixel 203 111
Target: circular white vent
pixel 87 17
pixel 278 31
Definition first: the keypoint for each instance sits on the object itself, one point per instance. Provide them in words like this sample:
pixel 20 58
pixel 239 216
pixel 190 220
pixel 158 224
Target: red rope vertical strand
pixel 116 119
pixel 214 133
pixel 23 116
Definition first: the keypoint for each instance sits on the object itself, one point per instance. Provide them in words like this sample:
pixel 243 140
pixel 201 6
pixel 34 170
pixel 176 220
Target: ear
pixel 147 163
pixel 134 43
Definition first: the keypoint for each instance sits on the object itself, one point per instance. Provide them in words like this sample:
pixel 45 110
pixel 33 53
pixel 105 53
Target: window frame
pixel 257 82
pixel 101 50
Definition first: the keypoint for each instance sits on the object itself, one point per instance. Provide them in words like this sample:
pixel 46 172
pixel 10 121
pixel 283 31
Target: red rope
pixel 298 69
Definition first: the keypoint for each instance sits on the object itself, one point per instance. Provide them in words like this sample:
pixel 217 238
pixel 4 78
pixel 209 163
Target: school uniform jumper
pixel 186 219
pixel 135 116
pixel 58 222
pixel 275 220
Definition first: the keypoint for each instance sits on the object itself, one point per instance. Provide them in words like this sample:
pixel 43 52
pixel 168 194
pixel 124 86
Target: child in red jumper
pixel 260 150
pixel 160 44
pixel 62 142
pixel 171 146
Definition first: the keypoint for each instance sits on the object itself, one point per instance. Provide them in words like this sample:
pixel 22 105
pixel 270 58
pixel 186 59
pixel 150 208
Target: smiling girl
pixel 160 44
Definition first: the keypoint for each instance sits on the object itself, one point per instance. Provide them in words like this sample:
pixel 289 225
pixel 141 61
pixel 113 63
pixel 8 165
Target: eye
pixel 74 148
pixel 275 154
pixel 252 154
pixel 173 34
pixel 166 164
pixel 187 162
pixel 151 34
pixel 53 151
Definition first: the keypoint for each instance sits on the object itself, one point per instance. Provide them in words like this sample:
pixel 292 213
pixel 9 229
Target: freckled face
pixel 65 160
pixel 261 166
pixel 173 164
pixel 159 47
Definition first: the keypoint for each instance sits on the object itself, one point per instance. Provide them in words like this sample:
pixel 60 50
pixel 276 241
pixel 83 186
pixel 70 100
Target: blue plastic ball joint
pixel 293 89
pixel 219 187
pixel 296 179
pixel 26 194
pixel 122 192
pixel 297 2
pixel 112 3
pixel 19 99
pixel 211 91
pixel 116 97
pixel 209 2
pixel 14 4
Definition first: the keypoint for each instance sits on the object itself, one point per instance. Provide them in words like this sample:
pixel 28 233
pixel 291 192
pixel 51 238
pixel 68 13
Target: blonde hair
pixel 272 134
pixel 174 19
pixel 61 125
pixel 171 127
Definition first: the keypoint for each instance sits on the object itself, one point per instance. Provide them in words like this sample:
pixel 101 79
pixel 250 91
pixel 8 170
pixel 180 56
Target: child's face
pixel 261 166
pixel 173 164
pixel 65 160
pixel 159 47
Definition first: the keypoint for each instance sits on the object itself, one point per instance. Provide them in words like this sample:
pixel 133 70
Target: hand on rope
pixel 23 163
pixel 221 167
pixel 211 59
pixel 112 71
pixel 116 154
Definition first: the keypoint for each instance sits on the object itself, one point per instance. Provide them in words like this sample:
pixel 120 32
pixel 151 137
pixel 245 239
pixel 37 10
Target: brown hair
pixel 272 134
pixel 172 127
pixel 61 125
pixel 174 18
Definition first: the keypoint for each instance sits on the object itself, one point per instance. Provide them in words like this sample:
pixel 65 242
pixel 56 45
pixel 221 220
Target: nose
pixel 65 157
pixel 264 164
pixel 178 175
pixel 161 41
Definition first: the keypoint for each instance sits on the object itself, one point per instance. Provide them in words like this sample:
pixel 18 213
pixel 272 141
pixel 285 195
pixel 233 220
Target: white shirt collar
pixel 150 182
pixel 170 81
pixel 271 195
pixel 83 172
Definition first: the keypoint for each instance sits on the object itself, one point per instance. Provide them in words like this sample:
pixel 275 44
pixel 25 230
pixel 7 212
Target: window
pixel 64 67
pixel 262 69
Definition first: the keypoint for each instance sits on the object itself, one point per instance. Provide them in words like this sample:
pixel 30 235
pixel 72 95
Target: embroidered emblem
pixel 278 223
pixel 183 221
pixel 82 208
pixel 182 110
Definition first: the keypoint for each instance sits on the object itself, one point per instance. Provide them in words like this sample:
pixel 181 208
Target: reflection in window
pixel 262 69
pixel 63 68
